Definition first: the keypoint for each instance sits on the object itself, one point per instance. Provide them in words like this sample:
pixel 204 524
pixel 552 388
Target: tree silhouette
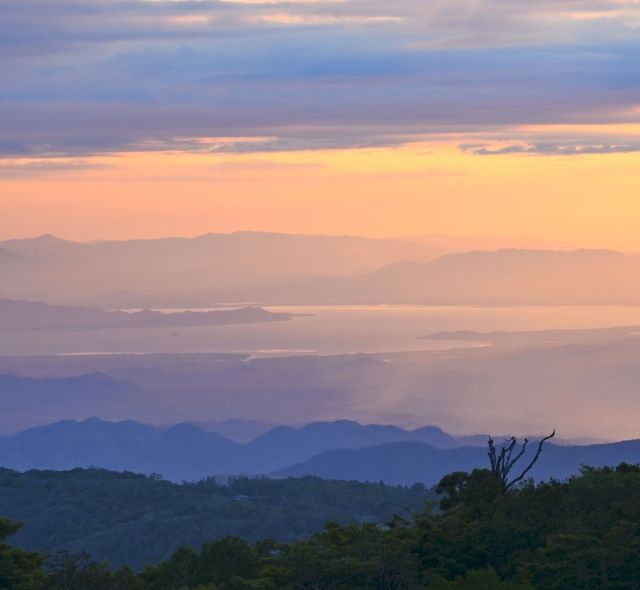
pixel 504 460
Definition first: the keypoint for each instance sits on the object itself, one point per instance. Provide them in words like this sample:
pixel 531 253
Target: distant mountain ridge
pixel 314 438
pixel 298 269
pixel 501 277
pixel 404 463
pixel 331 450
pixel 188 271
pixel 510 277
pixel 186 452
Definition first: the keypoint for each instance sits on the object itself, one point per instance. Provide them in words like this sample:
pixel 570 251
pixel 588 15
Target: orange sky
pixel 591 200
pixel 146 118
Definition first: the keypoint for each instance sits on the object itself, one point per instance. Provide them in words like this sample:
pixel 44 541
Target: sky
pixel 145 118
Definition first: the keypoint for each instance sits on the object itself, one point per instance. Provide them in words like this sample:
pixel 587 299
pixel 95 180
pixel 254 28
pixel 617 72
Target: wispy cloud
pixel 32 168
pixel 555 149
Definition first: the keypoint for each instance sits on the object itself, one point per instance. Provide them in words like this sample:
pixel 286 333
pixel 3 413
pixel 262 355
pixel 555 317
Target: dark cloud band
pixel 83 78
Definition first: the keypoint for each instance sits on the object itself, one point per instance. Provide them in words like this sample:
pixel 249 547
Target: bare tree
pixel 504 460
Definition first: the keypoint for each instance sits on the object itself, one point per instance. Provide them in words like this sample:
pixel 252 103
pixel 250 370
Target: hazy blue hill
pixel 70 444
pixel 239 430
pixel 181 452
pixel 185 451
pixel 286 446
pixel 332 450
pixel 434 436
pixel 394 463
pixel 135 520
pixel 409 462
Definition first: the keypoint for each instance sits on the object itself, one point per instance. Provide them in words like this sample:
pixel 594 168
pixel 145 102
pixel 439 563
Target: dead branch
pixel 502 462
pixel 533 461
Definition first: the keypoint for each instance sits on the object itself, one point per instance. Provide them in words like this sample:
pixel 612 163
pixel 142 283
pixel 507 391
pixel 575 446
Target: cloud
pixel 83 78
pixel 32 168
pixel 549 148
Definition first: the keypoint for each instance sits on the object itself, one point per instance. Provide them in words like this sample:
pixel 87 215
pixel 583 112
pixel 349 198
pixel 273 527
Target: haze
pixel 322 294
pixel 267 212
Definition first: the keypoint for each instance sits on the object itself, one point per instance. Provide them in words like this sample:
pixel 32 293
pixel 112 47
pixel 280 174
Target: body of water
pixel 336 329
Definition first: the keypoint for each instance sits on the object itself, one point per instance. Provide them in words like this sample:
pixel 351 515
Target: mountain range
pixel 185 271
pixel 404 463
pixel 186 452
pixel 511 277
pixel 332 450
pixel 501 277
pixel 273 268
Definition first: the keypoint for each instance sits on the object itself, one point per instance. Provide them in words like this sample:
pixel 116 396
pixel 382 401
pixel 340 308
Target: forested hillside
pixel 581 534
pixel 131 519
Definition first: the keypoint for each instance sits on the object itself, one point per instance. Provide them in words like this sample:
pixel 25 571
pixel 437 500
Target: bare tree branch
pixel 517 457
pixel 533 461
pixel 502 462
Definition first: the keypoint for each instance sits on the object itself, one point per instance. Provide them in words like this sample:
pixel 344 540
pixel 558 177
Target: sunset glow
pixel 417 188
pixel 153 118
